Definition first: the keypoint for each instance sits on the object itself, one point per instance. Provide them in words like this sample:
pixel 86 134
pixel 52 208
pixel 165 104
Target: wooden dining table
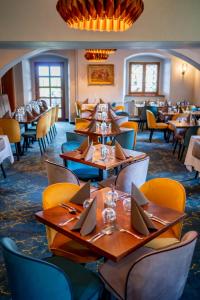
pixel 103 165
pixel 118 244
pixel 101 134
pixel 182 124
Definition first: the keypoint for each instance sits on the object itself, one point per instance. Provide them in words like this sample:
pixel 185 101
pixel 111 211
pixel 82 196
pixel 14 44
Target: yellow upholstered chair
pixel 169 193
pixel 42 128
pixel 153 125
pixel 78 109
pixel 119 108
pixel 57 113
pixel 11 128
pixel 53 120
pixel 134 126
pixel 81 123
pixel 58 243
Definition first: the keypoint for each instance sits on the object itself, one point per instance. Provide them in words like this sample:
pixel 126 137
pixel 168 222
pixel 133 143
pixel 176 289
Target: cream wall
pixel 39 21
pixel 197 87
pixel 174 86
pixel 181 87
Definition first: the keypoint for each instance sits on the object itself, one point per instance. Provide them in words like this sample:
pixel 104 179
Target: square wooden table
pixel 118 244
pixel 103 165
pixel 102 134
pixel 177 124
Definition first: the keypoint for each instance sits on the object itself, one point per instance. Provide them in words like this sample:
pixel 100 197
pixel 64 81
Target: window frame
pixel 143 93
pixel 62 77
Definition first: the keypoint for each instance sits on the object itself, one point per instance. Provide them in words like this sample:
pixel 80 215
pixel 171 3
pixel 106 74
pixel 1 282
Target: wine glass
pixel 111 197
pixel 109 216
pixel 87 203
pixel 127 205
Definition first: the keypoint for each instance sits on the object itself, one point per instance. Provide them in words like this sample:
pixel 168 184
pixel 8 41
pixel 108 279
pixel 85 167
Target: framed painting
pixel 101 74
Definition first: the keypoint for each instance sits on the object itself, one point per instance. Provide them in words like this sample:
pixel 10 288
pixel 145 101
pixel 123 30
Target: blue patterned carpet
pixel 21 192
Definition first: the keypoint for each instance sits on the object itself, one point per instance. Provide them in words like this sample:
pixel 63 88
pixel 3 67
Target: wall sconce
pixel 183 69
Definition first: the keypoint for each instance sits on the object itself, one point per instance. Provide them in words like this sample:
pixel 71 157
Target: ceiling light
pixel 100 15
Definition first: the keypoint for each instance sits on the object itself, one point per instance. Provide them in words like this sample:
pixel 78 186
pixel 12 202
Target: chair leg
pixel 42 143
pixel 175 146
pixel 45 146
pixel 151 135
pixel 39 142
pixel 3 171
pixel 17 151
pixel 179 151
pixel 182 152
pixel 47 139
pixel 196 175
pixel 55 128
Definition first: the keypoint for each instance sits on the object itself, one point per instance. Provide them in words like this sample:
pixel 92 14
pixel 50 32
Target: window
pixel 49 84
pixel 143 78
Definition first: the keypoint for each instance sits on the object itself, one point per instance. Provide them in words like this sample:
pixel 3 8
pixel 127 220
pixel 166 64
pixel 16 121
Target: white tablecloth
pixel 6 152
pixel 192 162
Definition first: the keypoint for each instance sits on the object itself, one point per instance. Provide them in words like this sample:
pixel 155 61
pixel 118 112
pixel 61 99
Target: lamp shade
pixel 100 15
pixel 96 56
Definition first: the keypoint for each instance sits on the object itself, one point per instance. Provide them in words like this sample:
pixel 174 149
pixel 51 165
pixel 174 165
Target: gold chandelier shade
pixel 100 15
pixel 104 51
pixel 96 57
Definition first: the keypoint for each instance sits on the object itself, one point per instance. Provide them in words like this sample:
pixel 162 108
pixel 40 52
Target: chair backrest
pixel 77 108
pixel 48 116
pixel 166 192
pixel 135 172
pixel 57 113
pixel 161 274
pixel 119 108
pixel 151 120
pixel 153 109
pixel 41 128
pixel 126 139
pixel 81 123
pixel 134 126
pixel 73 136
pixel 57 173
pixel 55 194
pixel 189 132
pixel 11 128
pixel 31 278
pixel 53 116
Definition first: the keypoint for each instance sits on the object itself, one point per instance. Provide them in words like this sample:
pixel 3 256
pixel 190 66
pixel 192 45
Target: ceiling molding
pixel 100 45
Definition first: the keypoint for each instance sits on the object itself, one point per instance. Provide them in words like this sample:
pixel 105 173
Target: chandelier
pixel 103 51
pixel 100 15
pixel 96 56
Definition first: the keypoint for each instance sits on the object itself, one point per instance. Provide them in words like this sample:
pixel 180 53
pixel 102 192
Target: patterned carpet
pixel 21 192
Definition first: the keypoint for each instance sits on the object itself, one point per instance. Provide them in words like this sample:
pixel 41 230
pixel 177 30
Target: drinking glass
pixel 127 205
pixel 87 203
pixel 104 152
pixel 109 216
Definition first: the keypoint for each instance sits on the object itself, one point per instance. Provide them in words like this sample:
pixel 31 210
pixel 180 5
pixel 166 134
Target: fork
pixel 105 231
pixel 156 219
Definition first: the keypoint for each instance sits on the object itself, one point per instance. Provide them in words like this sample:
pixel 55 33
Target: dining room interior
pixel 99 150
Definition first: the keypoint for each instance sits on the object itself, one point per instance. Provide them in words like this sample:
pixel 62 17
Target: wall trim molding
pixel 100 44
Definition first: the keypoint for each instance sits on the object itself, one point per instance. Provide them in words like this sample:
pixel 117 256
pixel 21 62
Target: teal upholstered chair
pixel 185 142
pixel 83 172
pixel 126 139
pixel 53 279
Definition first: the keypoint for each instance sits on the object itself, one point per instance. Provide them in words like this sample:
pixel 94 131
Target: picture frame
pixel 101 74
